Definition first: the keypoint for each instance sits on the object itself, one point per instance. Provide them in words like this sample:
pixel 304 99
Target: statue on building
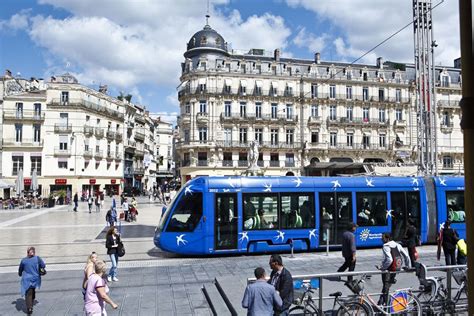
pixel 253 154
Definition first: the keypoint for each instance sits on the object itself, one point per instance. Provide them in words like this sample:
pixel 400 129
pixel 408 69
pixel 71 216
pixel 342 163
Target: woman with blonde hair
pixel 88 270
pixel 97 292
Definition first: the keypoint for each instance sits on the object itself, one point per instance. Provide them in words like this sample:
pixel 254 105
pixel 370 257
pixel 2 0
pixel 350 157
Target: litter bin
pixel 51 202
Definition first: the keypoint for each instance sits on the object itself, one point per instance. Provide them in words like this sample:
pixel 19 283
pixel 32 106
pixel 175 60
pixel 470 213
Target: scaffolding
pixel 425 87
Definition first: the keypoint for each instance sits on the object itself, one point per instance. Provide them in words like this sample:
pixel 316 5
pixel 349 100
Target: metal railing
pixel 62 128
pixel 87 105
pixel 323 278
pixel 24 142
pixel 23 115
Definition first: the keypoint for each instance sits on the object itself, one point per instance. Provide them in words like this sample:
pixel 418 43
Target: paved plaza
pixel 151 282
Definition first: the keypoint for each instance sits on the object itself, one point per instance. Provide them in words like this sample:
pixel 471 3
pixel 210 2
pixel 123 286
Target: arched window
pixel 314 160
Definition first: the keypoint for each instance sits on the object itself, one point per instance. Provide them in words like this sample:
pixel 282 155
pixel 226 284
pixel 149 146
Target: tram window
pixel 187 213
pixel 297 210
pixel 455 206
pixel 371 208
pixel 260 211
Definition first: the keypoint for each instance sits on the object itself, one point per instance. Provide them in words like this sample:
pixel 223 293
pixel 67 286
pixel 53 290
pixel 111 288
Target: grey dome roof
pixel 206 39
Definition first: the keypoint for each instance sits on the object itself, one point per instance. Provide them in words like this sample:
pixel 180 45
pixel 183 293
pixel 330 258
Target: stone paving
pixel 150 282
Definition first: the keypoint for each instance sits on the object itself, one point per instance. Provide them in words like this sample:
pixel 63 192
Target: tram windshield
pixel 169 207
pixel 186 214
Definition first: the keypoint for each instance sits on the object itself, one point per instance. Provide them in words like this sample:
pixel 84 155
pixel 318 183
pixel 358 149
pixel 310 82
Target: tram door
pixel 335 213
pixel 405 205
pixel 225 221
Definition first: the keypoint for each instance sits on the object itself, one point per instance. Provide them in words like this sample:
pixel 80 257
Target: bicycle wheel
pixel 353 309
pixel 303 311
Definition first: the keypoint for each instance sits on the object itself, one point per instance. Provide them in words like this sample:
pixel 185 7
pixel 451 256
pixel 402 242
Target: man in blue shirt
pixel 260 297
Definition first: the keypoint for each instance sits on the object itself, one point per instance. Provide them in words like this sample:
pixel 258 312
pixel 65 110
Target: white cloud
pixel 172 99
pixel 18 21
pixel 127 43
pixel 365 23
pixel 312 42
pixel 169 117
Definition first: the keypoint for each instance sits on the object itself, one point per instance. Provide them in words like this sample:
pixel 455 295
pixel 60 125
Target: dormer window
pixel 444 80
pixel 218 41
pixel 203 40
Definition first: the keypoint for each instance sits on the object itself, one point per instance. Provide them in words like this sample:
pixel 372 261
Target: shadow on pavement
pixel 20 305
pixel 131 231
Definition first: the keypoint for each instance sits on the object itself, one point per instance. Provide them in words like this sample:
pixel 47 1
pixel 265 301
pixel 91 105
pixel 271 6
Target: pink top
pixel 94 304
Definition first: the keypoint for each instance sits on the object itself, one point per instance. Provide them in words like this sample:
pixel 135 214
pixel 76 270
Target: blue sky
pixel 136 46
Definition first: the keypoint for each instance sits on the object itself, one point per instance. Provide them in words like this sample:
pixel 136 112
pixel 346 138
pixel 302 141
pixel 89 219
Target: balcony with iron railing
pixel 227 163
pixel 357 121
pixel 24 115
pixel 62 151
pixel 87 153
pixel 110 135
pixel 274 163
pixel 98 132
pixel 98 154
pixel 243 163
pixel 202 117
pixel 139 170
pixel 63 128
pixel 202 163
pixel 110 155
pixel 289 164
pixel 448 104
pixel 118 136
pixel 139 135
pixel 86 105
pixel 400 123
pixel 88 130
pixel 446 127
pixel 24 142
pixel 130 143
pixel 315 120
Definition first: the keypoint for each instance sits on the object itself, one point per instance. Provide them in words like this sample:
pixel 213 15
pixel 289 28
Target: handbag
pixel 42 271
pixel 120 250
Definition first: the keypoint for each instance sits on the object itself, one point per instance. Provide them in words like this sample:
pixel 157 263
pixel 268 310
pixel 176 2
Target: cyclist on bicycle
pixel 392 261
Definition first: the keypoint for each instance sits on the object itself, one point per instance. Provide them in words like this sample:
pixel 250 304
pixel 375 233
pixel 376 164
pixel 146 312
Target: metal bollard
pixel 327 242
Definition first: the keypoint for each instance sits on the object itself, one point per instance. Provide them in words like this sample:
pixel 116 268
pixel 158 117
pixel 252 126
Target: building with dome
pixel 309 117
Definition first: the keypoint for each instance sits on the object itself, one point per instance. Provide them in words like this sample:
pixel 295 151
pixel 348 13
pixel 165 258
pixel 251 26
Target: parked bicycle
pixel 400 301
pixel 434 297
pixel 306 305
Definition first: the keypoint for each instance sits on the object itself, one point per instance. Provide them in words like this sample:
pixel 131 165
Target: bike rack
pixel 337 275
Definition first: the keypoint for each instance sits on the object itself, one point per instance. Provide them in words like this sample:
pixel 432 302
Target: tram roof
pixel 268 183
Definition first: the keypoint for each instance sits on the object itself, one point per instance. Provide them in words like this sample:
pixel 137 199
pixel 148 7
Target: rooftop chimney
pixel 380 62
pixel 8 73
pixel 317 58
pixel 277 54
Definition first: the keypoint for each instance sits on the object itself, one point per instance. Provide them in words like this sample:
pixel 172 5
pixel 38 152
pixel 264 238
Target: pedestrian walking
pixel 30 270
pixel 88 270
pixel 76 200
pixel 112 241
pixel 260 297
pixel 90 201
pixel 393 254
pixel 97 292
pixel 282 281
pixel 411 241
pixel 348 250
pixel 126 209
pixel 447 239
pixel 114 203
pixel 97 203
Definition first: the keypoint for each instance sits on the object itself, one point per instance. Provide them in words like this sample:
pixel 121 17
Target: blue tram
pixel 219 215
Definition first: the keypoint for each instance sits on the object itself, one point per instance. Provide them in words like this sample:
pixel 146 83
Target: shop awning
pixel 259 83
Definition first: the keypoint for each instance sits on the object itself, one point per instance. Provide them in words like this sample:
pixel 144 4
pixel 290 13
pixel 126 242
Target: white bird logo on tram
pixel 297 181
pixel 188 190
pixel 442 181
pixel 312 233
pixel 389 213
pixel 180 239
pixel 268 187
pixel 414 181
pixel 336 184
pixel 369 182
pixel 231 182
pixel 244 236
pixel 280 235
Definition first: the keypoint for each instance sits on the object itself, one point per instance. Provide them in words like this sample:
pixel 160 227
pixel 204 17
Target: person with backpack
pixel 393 255
pixel 447 239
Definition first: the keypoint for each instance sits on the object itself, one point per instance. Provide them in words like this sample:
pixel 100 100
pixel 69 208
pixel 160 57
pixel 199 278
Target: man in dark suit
pixel 282 280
